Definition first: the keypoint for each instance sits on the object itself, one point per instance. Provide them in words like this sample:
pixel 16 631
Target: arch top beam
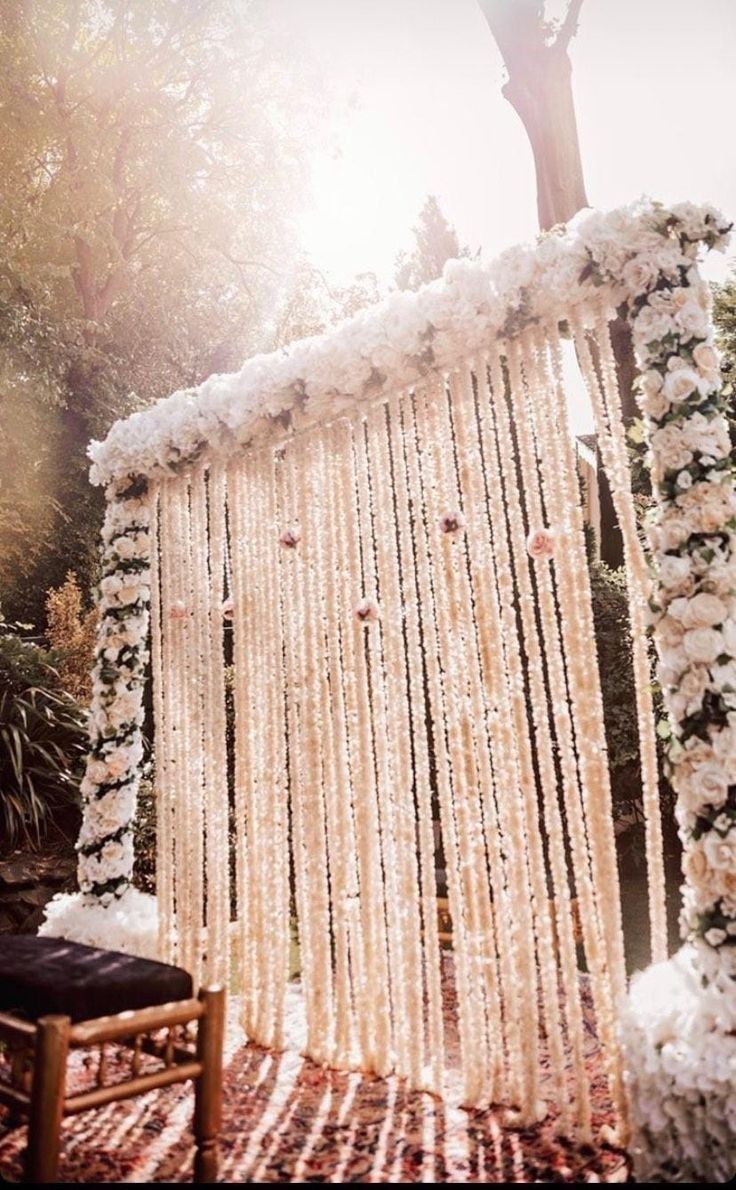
pixel 615 254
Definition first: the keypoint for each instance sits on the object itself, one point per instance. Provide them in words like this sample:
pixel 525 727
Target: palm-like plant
pixel 42 743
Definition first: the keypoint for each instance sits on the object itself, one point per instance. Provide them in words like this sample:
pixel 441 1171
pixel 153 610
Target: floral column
pixel 109 911
pixel 680 1031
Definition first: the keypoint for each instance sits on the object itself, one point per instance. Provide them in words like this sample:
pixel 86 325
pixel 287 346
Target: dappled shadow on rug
pixel 287 1119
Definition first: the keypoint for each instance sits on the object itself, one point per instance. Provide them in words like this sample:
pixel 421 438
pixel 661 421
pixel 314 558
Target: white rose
pixel 117 762
pixel 669 632
pixel 670 448
pixel 715 937
pixel 112 853
pixel 720 851
pixel 651 325
pixel 124 547
pixel 709 435
pixel 691 689
pixel 680 384
pixel 692 321
pixel 669 533
pixel 709 783
pixel 707 359
pixel 654 403
pixel 124 708
pixel 96 771
pixel 678 608
pixel 673 570
pixel 640 274
pixel 667 675
pixel 703 644
pixel 651 380
pixel 110 585
pixel 131 592
pixel 703 611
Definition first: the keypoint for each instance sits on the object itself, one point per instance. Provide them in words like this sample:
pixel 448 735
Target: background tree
pixel 539 88
pixel 150 161
pixel 435 242
pixel 724 316
pixel 311 303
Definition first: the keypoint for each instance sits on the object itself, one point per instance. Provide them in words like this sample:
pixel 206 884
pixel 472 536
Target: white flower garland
pixel 393 344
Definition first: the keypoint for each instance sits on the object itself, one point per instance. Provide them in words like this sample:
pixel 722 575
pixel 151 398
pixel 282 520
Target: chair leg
pixel 208 1087
pixel 47 1099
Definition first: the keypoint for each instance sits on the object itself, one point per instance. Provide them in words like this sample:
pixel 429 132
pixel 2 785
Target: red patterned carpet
pixel 288 1120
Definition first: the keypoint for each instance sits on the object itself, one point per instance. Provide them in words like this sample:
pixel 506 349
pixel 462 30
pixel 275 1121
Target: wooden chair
pixel 57 996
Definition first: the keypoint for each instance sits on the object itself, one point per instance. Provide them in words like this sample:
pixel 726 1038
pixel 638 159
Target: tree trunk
pixel 539 88
pixel 541 95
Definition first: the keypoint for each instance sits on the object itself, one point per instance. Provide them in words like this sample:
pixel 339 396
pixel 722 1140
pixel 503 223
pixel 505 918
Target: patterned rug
pixel 288 1120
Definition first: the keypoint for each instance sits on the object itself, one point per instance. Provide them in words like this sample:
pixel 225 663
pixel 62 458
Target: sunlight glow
pixel 416 109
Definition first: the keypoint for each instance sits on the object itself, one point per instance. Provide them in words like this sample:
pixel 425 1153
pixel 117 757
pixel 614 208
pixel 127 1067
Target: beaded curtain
pixel 375 636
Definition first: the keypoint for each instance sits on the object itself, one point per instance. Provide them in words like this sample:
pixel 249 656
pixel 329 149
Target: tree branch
pixel 569 26
pixel 517 26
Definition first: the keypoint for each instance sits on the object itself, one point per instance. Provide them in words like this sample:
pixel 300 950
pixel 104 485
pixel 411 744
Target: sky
pixel 415 108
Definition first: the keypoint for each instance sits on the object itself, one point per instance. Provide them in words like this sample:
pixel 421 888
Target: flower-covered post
pixel 108 909
pixel 681 1029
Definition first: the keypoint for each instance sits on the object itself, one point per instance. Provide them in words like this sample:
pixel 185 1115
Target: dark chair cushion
pixel 40 976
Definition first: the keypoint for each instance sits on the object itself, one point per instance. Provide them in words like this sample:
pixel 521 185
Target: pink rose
pixel 541 543
pixel 451 522
pixel 367 611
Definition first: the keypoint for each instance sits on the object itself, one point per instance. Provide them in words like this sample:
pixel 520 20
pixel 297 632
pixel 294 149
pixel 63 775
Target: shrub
pixel 144 872
pixel 71 633
pixel 611 615
pixel 43 739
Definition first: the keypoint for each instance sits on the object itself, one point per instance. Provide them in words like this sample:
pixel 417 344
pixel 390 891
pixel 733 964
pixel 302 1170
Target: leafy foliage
pixel 311 304
pixel 724 316
pixel 435 242
pixel 42 741
pixel 611 617
pixel 144 872
pixel 150 162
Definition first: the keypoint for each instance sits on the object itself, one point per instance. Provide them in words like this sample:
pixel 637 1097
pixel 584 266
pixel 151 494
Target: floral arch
pixel 386 521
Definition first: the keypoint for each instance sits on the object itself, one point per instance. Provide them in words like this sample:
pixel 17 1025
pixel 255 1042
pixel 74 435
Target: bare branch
pixel 241 265
pixel 569 26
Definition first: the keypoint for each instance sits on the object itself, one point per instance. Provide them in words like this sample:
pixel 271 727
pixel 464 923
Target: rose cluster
pixel 692 533
pixel 680 1030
